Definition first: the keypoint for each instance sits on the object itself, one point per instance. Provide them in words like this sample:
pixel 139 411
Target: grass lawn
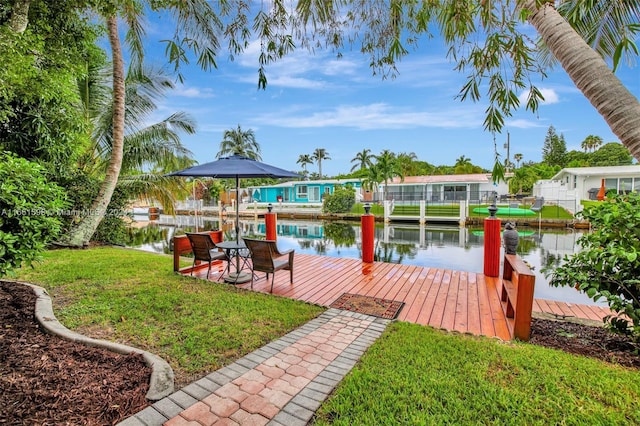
pixel 411 375
pixel 430 210
pixel 415 375
pixel 376 209
pixel 135 298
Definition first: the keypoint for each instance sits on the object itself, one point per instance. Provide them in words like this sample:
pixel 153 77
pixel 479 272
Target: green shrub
pixel 608 266
pixel 341 201
pixel 31 209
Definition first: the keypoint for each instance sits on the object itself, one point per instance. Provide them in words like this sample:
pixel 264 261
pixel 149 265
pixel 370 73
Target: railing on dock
pixel 518 283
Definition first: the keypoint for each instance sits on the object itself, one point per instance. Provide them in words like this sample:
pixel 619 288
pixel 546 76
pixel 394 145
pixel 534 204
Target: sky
pixel 315 100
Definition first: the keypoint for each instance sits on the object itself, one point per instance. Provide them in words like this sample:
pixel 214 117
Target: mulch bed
pixel 45 380
pixel 579 339
pixel 382 308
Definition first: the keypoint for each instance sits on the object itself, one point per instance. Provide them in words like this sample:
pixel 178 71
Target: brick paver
pixel 282 383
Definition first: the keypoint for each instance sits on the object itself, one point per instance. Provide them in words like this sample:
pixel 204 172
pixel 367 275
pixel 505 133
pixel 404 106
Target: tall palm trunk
pixel 82 232
pixel 590 73
pixel 20 16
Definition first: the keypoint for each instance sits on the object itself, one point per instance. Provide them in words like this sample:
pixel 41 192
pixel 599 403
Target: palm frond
pixel 132 13
pixel 610 27
pixel 155 188
pixel 198 28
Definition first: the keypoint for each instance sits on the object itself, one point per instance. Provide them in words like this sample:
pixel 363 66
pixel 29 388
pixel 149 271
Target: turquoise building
pixel 299 191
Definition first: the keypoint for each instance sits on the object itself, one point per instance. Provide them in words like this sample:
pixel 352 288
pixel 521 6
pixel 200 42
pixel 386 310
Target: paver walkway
pixel 282 383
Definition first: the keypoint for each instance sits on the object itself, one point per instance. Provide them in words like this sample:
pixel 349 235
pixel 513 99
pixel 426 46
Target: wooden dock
pixel 465 302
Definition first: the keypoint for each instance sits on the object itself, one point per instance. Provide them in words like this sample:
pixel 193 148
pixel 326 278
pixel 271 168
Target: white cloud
pixel 193 92
pixel 301 69
pixel 550 97
pixel 294 82
pixel 373 116
pixel 213 128
pixel 524 124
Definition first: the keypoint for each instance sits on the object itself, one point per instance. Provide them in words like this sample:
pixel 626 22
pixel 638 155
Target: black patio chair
pixel 204 249
pixel 265 257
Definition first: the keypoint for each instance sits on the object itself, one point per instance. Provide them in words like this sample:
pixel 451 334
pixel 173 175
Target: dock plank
pixel 418 295
pixel 438 303
pixel 451 303
pixel 497 313
pixel 473 306
pixel 461 322
pixel 486 318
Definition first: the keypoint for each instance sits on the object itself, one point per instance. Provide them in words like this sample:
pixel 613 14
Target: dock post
pixel 492 244
pixel 423 219
pixel 462 220
pixel 270 223
pixel 367 221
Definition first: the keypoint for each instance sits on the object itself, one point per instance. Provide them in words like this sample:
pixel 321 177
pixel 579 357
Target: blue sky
pixel 317 101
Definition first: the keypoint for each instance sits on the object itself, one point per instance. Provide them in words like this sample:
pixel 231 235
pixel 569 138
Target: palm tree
pixel 303 160
pixel 372 180
pixel 362 160
pixel 462 161
pixel 518 158
pixel 239 142
pixel 463 165
pixel 318 155
pixel 523 179
pixel 156 147
pixel 407 162
pixel 388 168
pixel 19 16
pixel 197 29
pixel 81 233
pixel 591 143
pixel 586 67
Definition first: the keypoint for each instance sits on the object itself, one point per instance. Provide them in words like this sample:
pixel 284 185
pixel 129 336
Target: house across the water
pixel 300 191
pixel 474 188
pixel 571 185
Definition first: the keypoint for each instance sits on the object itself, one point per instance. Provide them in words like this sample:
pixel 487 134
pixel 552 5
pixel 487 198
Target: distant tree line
pixel 380 169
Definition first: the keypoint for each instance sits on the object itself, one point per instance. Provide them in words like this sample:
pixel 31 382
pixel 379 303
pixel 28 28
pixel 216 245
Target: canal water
pixel 449 247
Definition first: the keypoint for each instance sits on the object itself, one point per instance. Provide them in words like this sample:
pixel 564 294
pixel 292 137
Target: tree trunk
pixel 84 230
pixel 20 16
pixel 590 73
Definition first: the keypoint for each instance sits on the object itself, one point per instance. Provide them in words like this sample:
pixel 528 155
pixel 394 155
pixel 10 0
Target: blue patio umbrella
pixel 236 167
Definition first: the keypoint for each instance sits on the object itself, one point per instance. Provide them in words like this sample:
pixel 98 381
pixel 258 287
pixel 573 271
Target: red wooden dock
pixel 460 301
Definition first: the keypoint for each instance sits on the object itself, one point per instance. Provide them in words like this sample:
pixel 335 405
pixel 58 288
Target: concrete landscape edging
pixel 161 383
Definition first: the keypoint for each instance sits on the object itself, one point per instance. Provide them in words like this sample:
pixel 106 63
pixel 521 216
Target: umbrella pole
pixel 238 229
pixel 238 210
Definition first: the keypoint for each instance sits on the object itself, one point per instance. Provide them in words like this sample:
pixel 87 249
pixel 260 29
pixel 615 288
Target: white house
pixel 571 185
pixel 477 187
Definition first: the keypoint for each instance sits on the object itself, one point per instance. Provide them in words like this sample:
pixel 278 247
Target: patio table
pixel 233 250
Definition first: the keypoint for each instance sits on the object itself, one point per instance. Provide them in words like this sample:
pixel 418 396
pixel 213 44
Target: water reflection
pixel 448 247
